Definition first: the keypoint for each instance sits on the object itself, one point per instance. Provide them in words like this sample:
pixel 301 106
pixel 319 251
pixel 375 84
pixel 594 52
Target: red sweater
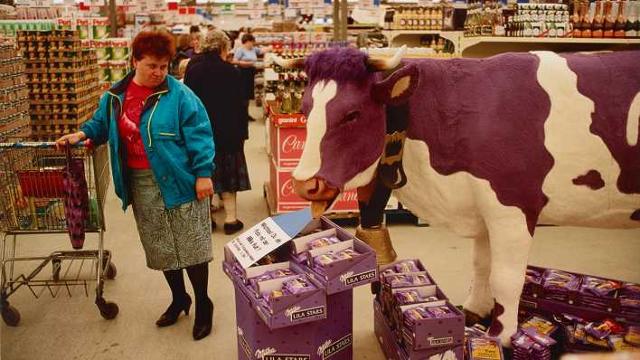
pixel 129 125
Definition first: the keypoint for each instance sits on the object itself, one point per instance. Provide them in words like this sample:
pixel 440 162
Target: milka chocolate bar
pixel 407 266
pixel 322 242
pixel 599 287
pixel 541 325
pixel 633 335
pixel 484 349
pixel 407 280
pixel 298 285
pixel 560 280
pixel 412 297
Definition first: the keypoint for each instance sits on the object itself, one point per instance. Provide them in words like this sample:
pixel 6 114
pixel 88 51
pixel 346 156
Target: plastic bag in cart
pixel 76 200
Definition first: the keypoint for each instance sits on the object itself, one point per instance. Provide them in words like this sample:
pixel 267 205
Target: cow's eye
pixel 351 116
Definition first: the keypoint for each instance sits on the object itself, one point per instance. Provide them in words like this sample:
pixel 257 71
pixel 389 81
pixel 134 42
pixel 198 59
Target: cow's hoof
pixel 380 241
pixel 507 352
pixel 471 318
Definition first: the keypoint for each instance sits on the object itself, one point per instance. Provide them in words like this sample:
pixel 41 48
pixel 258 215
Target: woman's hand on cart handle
pixel 71 138
pixel 204 187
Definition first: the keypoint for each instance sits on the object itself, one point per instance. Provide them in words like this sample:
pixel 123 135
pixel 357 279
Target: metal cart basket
pixel 36 198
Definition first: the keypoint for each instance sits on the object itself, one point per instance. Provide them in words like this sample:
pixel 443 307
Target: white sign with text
pixel 257 242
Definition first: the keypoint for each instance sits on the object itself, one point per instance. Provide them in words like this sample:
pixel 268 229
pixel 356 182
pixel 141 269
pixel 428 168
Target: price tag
pixel 257 242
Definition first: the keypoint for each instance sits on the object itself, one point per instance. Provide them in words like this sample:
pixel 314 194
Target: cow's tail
pixel 633 121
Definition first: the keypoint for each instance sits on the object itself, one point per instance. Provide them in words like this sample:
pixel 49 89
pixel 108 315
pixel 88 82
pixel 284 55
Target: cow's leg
pixel 480 301
pixel 510 243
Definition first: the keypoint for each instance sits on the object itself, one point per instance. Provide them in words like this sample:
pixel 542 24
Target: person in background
pixel 182 69
pixel 183 51
pixel 162 154
pixel 245 57
pixel 218 85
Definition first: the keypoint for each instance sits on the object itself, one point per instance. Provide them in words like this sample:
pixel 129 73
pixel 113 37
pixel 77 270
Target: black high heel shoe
pixel 170 316
pixel 204 320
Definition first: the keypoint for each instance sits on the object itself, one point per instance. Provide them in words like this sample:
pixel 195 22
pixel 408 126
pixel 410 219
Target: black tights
pixel 199 276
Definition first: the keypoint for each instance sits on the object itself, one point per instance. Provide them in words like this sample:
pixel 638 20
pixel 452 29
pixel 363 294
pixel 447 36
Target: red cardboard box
pixel 285 198
pixel 287 134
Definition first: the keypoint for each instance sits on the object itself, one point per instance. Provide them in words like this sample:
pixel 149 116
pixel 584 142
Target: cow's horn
pixel 388 64
pixel 297 63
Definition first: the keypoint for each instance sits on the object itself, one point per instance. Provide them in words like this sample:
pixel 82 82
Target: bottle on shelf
pixel 575 24
pixel 586 20
pixel 621 19
pixel 597 28
pixel 630 27
pixel 609 19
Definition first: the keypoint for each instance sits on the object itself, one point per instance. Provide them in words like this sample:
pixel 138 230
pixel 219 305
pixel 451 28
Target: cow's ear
pixel 398 87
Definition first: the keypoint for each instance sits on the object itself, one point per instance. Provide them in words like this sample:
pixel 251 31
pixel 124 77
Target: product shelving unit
pixel 491 45
pixel 411 38
pixel 483 46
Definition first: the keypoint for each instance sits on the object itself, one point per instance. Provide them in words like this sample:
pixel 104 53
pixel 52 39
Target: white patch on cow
pixel 310 160
pixel 363 178
pixel 470 207
pixel 633 121
pixel 575 151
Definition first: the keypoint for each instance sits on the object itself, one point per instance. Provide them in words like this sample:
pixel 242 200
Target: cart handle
pixel 45 144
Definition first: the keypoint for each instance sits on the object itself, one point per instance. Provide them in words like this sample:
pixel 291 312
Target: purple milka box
pixel 386 295
pixel 579 303
pixel 549 308
pixel 394 351
pixel 434 332
pixel 395 316
pixel 340 275
pixel 331 338
pixel 291 309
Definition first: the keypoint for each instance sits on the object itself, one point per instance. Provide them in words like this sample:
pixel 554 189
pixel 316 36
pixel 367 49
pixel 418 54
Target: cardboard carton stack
pixel 299 303
pixel 413 317
pixel 286 135
pixel 14 95
pixel 63 81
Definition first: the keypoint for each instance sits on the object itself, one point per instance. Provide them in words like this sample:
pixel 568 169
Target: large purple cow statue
pixel 486 147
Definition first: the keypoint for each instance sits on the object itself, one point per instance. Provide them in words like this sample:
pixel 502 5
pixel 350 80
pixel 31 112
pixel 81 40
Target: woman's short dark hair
pixel 159 44
pixel 247 37
pixel 194 29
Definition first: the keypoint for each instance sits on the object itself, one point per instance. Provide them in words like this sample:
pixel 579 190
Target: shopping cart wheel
pixel 108 310
pixel 111 271
pixel 10 315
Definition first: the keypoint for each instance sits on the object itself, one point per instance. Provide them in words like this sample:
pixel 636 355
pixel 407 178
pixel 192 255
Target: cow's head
pixel 346 121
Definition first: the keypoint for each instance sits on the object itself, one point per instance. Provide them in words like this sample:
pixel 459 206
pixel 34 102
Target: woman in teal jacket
pixel 162 153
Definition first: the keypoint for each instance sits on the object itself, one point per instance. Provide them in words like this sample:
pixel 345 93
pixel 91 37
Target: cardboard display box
pixel 286 200
pixel 330 338
pixel 311 325
pixel 394 351
pixel 340 275
pixel 536 299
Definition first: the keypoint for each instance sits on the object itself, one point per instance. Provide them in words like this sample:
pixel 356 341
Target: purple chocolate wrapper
pixel 599 287
pixel 560 281
pixel 407 266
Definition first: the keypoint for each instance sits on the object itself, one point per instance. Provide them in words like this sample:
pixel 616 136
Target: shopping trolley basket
pixel 42 191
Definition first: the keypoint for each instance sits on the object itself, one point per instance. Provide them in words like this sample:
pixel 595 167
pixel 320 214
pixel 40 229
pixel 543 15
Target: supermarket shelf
pixel 392 35
pixel 492 45
pixel 472 41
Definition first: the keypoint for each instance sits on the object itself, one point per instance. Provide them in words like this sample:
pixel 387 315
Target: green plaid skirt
pixel 172 238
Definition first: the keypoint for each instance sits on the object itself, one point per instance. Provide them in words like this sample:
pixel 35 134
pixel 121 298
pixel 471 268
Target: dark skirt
pixel 231 173
pixel 248 82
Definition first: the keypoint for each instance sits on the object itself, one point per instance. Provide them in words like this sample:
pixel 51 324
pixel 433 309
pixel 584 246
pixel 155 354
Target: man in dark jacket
pixel 218 84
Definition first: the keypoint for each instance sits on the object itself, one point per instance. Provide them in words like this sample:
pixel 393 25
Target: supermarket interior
pixel 338 179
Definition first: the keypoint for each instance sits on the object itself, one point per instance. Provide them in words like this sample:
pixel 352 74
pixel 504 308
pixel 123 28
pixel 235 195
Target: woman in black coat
pixel 218 84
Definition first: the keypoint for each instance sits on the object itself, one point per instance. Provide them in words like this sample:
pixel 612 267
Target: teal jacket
pixel 176 133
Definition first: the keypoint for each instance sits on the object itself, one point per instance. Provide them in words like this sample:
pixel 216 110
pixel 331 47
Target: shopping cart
pixel 37 196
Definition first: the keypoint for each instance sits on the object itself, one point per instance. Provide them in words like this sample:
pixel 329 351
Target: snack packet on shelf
pixel 322 242
pixel 407 280
pixel 485 348
pixel 407 266
pixel 541 325
pixel 298 285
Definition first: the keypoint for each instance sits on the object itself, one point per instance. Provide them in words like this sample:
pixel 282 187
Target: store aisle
pixel 71 327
